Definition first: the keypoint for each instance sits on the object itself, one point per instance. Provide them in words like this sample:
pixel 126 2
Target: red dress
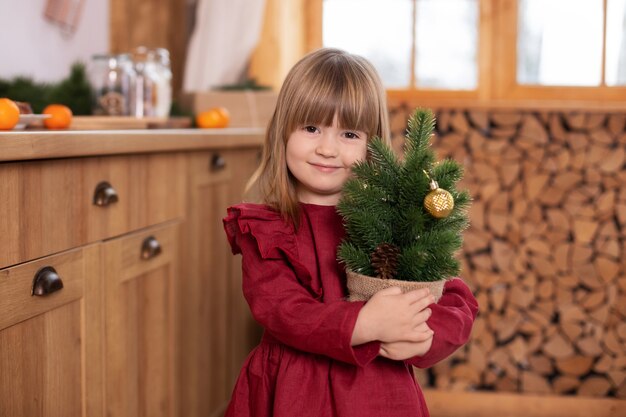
pixel 304 365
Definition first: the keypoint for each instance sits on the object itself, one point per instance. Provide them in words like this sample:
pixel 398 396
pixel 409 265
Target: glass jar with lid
pixel 164 82
pixel 147 78
pixel 112 79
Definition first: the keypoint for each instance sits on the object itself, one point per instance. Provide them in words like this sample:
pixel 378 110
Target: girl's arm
pixel 400 351
pixel 290 313
pixel 390 315
pixel 451 321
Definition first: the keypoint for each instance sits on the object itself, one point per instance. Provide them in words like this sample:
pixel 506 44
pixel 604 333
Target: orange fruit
pixel 215 117
pixel 61 116
pixel 9 114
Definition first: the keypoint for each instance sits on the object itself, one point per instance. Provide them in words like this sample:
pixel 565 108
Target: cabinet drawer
pixel 143 251
pixel 41 207
pixel 148 189
pixel 17 302
pixel 210 167
pixel 233 168
pixel 50 206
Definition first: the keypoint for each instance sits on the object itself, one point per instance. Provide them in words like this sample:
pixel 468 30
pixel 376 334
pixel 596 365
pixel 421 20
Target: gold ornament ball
pixel 439 203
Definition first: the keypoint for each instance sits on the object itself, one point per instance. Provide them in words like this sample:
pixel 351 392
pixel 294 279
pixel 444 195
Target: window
pixel 446 41
pixel 560 42
pixel 486 49
pixel 413 43
pixel 378 30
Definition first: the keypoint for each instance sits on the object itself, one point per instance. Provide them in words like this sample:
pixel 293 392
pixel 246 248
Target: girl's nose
pixel 326 146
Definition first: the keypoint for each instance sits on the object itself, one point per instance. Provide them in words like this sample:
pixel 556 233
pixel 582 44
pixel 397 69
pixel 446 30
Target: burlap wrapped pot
pixel 363 287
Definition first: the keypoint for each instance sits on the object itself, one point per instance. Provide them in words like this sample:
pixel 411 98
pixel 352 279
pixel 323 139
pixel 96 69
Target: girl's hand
pixel 391 316
pixel 400 351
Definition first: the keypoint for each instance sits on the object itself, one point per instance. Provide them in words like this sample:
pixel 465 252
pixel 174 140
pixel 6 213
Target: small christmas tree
pixel 404 219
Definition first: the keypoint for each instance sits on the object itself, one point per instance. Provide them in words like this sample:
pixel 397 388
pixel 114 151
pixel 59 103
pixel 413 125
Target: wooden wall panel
pixel 545 250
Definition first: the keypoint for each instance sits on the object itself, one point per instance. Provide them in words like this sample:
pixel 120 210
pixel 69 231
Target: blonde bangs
pixel 336 88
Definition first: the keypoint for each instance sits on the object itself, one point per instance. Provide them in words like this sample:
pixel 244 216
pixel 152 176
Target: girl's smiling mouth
pixel 324 167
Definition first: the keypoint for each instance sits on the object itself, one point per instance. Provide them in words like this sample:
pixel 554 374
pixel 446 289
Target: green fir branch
pixel 412 262
pixel 367 229
pixel 382 156
pixel 418 153
pixel 355 259
pixel 359 193
pixel 447 173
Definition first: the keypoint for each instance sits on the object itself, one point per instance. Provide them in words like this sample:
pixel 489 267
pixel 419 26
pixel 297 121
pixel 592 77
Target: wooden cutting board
pixel 128 122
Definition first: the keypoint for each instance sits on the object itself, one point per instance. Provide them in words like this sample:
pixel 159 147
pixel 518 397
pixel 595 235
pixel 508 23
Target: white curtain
pixel 225 34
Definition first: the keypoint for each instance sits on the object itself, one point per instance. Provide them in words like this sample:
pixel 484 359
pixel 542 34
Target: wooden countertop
pixel 26 145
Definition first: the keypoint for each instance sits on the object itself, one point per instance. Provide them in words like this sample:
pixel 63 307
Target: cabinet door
pixel 41 207
pixel 141 269
pixel 50 343
pixel 216 330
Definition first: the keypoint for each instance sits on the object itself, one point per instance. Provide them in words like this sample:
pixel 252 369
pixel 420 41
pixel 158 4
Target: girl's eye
pixel 351 135
pixel 310 129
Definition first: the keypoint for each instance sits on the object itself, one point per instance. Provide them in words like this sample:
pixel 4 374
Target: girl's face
pixel 320 158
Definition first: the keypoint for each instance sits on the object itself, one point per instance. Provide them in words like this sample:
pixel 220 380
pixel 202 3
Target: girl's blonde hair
pixel 324 83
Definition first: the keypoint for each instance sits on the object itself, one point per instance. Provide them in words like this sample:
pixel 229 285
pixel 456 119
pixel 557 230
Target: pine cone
pixel 384 259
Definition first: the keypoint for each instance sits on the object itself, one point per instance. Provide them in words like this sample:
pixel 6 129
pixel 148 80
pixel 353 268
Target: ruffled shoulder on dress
pixel 265 225
pixel 274 237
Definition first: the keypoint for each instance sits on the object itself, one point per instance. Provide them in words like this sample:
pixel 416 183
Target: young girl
pixel 322 355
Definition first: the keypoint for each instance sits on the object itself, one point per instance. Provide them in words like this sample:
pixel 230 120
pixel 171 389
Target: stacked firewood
pixel 544 251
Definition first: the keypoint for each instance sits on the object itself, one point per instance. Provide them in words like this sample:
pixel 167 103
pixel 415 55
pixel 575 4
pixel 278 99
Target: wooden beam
pixel 452 101
pixel 485 48
pixel 313 22
pixel 485 404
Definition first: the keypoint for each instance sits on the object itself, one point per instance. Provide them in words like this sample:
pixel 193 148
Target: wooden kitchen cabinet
pixel 217 331
pixel 50 351
pixel 151 319
pixel 55 345
pixel 48 206
pixel 140 284
pixel 245 333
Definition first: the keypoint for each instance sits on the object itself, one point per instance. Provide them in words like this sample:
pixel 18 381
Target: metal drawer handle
pixel 104 195
pixel 150 248
pixel 218 163
pixel 46 282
